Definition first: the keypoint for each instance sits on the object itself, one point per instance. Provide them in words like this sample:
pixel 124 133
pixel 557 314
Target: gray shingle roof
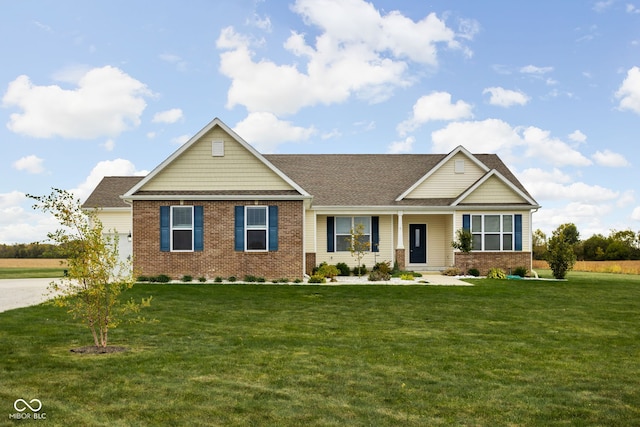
pixel 333 179
pixel 108 191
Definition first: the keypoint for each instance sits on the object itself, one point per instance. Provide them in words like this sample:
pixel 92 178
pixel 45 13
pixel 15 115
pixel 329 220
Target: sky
pixel 93 89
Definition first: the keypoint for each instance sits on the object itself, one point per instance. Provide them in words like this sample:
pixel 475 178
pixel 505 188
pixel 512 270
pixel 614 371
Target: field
pixel 510 352
pixel 618 267
pixel 23 268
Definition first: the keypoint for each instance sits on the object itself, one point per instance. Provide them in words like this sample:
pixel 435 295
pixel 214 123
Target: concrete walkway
pixel 16 293
pixel 433 279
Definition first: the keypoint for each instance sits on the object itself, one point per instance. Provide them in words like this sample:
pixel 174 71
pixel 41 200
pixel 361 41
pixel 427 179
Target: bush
pixel 250 278
pixel 297 281
pixel 329 271
pixel 161 278
pixel 218 279
pixel 520 271
pixel 363 270
pixel 343 268
pixel 407 276
pixel 187 278
pixel 452 271
pixel 143 279
pixel 317 278
pixel 474 272
pixel 232 278
pixel 376 275
pixel 496 273
pixel 202 279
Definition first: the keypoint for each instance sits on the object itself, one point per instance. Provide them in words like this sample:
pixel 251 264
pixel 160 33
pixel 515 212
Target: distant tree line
pixel 617 246
pixel 30 250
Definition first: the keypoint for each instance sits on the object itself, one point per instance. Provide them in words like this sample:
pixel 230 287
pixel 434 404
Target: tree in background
pixel 96 275
pixel 560 254
pixel 539 244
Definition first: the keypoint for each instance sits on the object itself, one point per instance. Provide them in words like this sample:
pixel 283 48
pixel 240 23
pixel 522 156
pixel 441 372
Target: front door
pixel 417 243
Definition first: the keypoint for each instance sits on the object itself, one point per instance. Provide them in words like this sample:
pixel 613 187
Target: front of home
pixel 218 208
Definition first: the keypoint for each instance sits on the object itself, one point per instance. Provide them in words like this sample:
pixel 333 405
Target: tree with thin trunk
pixel 359 244
pixel 95 274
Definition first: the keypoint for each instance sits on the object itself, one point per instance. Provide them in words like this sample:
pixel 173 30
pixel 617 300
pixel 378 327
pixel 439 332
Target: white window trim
pixel 335 230
pixel 501 233
pixel 172 228
pixel 247 228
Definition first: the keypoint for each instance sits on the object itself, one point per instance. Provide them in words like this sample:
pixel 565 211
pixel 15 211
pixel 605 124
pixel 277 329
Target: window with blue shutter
pixel 330 234
pixel 198 228
pixel 165 229
pixel 375 233
pixel 239 228
pixel 256 228
pixel 273 228
pixel 518 232
pixel 181 228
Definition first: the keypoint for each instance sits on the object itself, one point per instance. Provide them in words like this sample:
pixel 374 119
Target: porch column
pixel 400 243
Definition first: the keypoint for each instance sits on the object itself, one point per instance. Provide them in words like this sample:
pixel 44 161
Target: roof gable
pixel 494 188
pixel 445 180
pixel 215 160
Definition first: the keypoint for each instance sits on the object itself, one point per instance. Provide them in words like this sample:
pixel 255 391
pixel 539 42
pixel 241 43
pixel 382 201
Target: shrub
pixel 260 279
pixel 250 278
pixel 218 279
pixel 520 271
pixel 297 281
pixel 474 272
pixel 232 278
pixel 359 271
pixel 284 280
pixel 376 275
pixel 329 271
pixel 407 276
pixel 187 278
pixel 452 271
pixel 143 279
pixel 202 279
pixel 162 278
pixel 317 278
pixel 343 268
pixel 496 273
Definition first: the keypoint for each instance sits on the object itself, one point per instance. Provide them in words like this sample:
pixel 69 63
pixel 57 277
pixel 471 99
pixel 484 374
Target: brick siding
pixel 218 259
pixel 484 261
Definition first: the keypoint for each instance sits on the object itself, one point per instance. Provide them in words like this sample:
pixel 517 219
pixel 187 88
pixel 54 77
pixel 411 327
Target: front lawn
pixel 499 353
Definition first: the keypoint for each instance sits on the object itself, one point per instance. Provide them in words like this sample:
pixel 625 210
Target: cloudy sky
pixel 89 89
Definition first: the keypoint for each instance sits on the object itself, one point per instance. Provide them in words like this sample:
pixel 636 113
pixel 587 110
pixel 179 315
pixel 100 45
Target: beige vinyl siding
pixel 526 224
pixel 386 247
pixel 494 190
pixel 445 182
pixel 196 169
pixel 310 231
pixel 438 238
pixel 120 221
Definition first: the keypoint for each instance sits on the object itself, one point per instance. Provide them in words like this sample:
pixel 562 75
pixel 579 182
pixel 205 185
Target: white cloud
pixel 532 69
pixel 610 159
pixel 358 52
pixel 169 116
pixel 109 144
pixel 106 102
pixel 31 164
pixel 555 185
pixel 117 167
pixel 629 91
pixel 20 225
pixel 577 136
pixel 635 215
pixel 260 22
pixel 632 9
pixel 505 97
pixel 180 140
pixel 486 136
pixel 181 64
pixel 399 147
pixel 552 150
pixel 601 6
pixel 436 106
pixel 265 131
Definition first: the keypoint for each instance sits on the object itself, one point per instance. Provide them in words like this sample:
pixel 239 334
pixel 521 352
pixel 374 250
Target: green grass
pixel 500 353
pixel 30 273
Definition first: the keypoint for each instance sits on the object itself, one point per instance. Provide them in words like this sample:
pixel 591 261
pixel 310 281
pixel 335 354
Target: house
pixel 217 208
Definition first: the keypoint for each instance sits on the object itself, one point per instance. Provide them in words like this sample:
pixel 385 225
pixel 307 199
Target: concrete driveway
pixel 16 293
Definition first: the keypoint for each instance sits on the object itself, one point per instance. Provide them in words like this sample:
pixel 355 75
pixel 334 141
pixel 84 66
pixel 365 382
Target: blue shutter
pixel 165 229
pixel 375 233
pixel 273 228
pixel 466 222
pixel 198 228
pixel 518 232
pixel 239 228
pixel 330 234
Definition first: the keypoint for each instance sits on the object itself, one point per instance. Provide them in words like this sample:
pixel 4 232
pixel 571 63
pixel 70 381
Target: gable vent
pixel 459 167
pixel 217 148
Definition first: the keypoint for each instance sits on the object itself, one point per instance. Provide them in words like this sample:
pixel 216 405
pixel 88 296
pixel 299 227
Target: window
pixel 344 225
pixel 256 228
pixel 492 232
pixel 182 228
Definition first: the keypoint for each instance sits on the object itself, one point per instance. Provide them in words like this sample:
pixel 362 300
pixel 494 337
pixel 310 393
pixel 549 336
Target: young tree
pixel 463 243
pixel 358 244
pixel 560 254
pixel 95 274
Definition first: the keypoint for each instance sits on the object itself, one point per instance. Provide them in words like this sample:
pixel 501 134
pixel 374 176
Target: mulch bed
pixel 92 349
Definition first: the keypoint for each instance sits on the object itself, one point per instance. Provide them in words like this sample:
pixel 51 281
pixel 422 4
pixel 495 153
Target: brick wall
pixel 310 260
pixel 484 261
pixel 218 257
